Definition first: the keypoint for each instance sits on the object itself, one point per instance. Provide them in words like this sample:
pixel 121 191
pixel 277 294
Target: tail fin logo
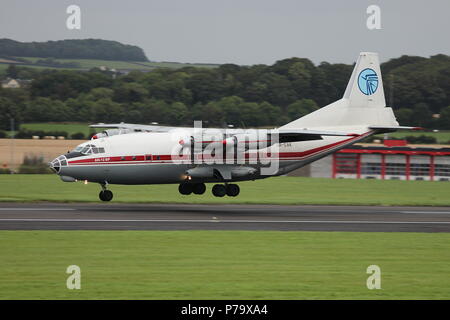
pixel 368 81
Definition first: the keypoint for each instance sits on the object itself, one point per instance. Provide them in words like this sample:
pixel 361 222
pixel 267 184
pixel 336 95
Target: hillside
pixel 73 49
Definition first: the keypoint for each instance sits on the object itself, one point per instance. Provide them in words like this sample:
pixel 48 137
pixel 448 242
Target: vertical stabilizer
pixel 363 104
pixel 365 88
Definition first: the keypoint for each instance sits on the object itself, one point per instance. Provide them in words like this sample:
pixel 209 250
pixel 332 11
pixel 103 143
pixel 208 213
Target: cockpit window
pixel 89 149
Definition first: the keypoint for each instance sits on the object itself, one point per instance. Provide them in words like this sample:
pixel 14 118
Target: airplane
pixel 134 154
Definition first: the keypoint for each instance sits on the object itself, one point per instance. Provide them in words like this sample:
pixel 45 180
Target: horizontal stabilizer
pixel 295 135
pixel 384 129
pixel 313 132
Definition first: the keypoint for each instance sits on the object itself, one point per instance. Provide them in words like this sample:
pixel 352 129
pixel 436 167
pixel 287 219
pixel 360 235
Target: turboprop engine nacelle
pixel 250 141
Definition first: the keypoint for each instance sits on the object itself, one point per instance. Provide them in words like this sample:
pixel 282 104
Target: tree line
pixel 245 96
pixel 73 49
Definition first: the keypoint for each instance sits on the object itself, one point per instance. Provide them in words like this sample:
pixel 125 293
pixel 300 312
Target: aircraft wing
pixel 288 135
pixel 134 127
pixel 156 128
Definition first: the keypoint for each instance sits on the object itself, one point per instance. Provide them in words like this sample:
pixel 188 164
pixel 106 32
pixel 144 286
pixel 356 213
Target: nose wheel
pixel 105 195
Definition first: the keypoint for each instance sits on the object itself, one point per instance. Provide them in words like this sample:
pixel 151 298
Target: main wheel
pixel 233 190
pixel 199 188
pixel 185 188
pixel 105 195
pixel 219 190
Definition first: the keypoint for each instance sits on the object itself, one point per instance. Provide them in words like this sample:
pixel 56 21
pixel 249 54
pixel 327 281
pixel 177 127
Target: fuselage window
pixel 86 150
pixel 89 149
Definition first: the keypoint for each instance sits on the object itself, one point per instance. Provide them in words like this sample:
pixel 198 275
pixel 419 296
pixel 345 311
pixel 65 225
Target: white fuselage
pixel 158 158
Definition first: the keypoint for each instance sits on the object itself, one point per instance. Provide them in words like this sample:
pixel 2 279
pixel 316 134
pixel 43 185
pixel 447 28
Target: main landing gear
pixel 218 190
pixel 188 188
pixel 105 195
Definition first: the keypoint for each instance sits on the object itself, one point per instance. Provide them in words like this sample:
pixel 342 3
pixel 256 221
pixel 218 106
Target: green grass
pixel 92 63
pixel 4 66
pixel 69 127
pixel 129 65
pixel 280 190
pixel 223 265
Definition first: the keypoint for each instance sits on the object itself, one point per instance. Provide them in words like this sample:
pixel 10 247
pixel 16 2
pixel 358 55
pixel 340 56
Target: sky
pixel 244 32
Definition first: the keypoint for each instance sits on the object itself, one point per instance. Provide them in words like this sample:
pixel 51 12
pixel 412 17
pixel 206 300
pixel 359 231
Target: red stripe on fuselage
pixel 161 158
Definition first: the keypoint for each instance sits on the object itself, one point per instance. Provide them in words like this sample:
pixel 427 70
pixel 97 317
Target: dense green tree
pixel 9 110
pixel 301 108
pixel 257 95
pixel 404 116
pixel 106 110
pixel 12 72
pixel 211 114
pixel 130 92
pixel 100 93
pixel 444 120
pixel 44 109
pixel 421 115
pixel 59 85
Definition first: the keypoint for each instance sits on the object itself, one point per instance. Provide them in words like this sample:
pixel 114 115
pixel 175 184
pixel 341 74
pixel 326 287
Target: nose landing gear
pixel 105 195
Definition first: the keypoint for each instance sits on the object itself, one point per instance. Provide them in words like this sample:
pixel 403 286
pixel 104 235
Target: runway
pixel 61 216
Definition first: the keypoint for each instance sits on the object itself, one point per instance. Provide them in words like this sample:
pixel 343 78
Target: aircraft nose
pixel 57 163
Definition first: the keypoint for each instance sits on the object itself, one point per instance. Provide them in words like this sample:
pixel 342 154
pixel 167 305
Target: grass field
pixel 92 63
pixel 280 190
pixel 128 65
pixel 4 66
pixel 223 265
